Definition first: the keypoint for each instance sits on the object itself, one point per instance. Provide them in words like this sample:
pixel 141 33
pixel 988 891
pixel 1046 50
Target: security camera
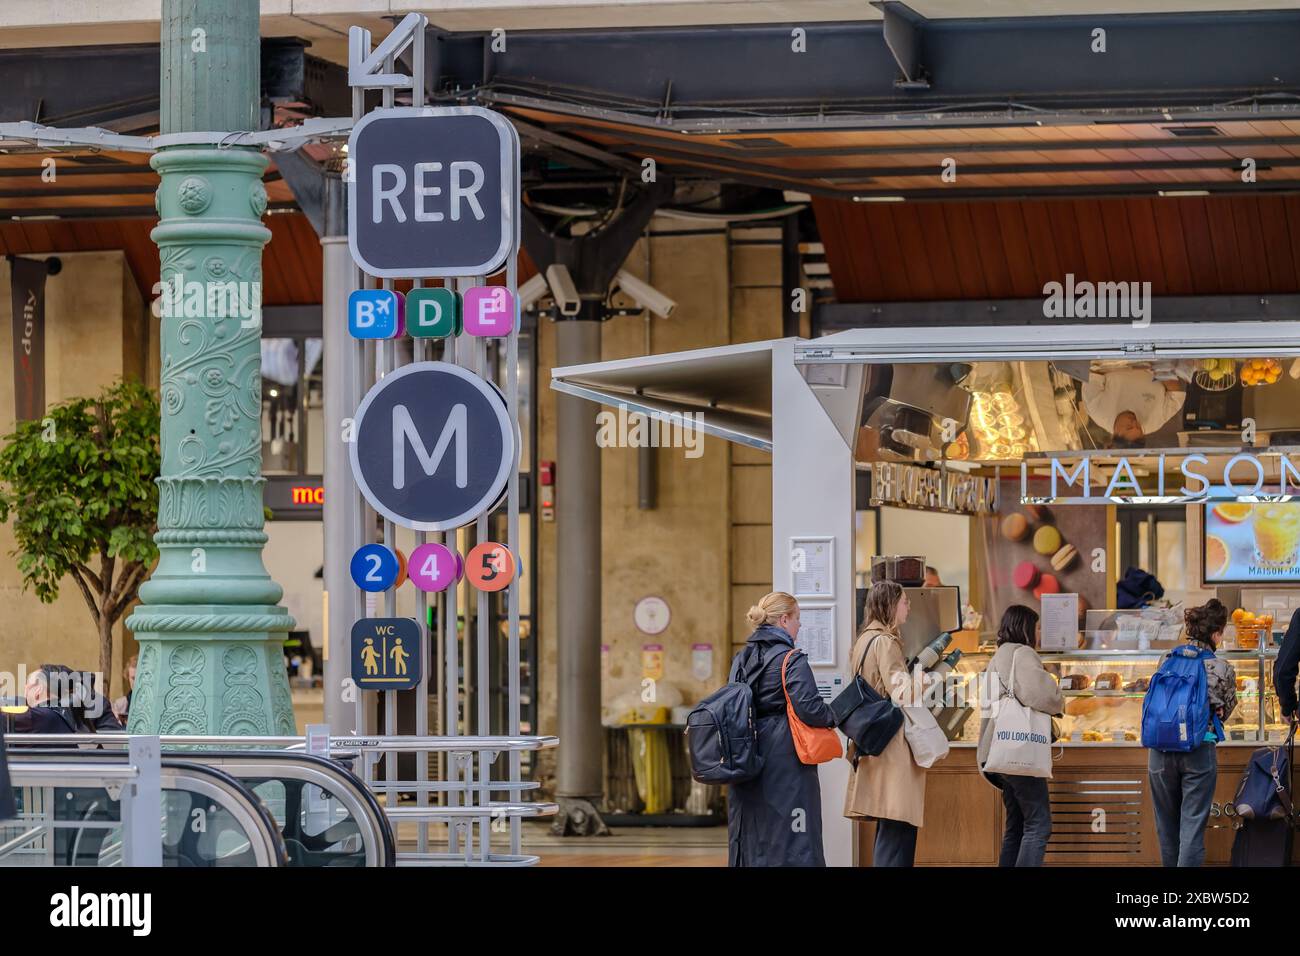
pixel 563 289
pixel 645 295
pixel 532 290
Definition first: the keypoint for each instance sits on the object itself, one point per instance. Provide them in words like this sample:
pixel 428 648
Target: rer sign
pixel 433 192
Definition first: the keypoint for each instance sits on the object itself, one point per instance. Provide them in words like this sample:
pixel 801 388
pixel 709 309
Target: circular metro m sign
pixel 432 446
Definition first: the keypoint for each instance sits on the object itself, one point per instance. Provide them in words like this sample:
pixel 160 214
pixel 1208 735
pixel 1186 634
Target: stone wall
pixel 98 329
pixel 705 548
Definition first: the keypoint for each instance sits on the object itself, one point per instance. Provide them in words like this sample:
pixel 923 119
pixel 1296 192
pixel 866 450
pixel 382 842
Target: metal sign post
pixel 433 192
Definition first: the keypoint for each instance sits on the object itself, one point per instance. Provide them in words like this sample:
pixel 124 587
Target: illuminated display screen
pixel 1248 542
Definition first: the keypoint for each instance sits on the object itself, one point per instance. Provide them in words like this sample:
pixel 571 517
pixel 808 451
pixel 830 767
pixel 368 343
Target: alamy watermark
pixel 56 687
pixel 625 429
pixel 175 298
pixel 1098 300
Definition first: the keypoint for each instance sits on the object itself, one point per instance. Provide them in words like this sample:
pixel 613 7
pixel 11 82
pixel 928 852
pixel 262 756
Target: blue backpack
pixel 1176 709
pixel 721 732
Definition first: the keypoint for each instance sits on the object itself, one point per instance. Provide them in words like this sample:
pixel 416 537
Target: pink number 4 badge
pixel 433 567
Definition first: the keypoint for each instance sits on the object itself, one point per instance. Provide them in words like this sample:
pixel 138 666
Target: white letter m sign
pixel 404 431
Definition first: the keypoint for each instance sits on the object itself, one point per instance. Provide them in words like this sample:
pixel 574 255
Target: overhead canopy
pixel 731 385
pixel 1063 341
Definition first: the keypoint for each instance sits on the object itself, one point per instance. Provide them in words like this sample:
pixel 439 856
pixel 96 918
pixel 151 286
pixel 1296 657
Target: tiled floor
pixel 632 846
pixel 625 846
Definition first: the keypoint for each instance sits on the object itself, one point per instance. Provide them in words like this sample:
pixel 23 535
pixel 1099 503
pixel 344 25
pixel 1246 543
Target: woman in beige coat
pixel 890 788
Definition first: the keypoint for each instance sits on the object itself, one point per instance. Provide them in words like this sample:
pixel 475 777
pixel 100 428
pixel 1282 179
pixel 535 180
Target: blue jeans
pixel 1028 820
pixel 1182 789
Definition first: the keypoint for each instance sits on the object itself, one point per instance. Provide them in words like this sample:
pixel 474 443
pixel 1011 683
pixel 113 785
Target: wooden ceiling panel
pixel 1194 245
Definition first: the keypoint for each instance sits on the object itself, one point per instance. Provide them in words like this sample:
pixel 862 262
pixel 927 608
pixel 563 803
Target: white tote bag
pixel 928 742
pixel 1022 737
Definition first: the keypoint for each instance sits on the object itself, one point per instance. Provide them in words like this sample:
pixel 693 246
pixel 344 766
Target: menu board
pixel 812 567
pixel 816 636
pixel 1060 622
pixel 1248 542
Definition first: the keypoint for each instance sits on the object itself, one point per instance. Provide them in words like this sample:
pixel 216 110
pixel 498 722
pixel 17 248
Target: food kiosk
pixel 1041 439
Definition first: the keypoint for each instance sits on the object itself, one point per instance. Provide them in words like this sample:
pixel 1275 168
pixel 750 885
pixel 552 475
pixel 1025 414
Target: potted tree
pixel 79 486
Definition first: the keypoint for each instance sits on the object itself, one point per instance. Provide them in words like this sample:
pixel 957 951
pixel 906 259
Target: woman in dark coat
pixel 776 818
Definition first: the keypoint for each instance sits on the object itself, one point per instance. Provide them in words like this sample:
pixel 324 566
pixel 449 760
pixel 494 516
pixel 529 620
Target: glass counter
pixel 1104 691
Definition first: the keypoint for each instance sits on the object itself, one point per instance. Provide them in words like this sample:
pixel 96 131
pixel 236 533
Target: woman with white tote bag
pixel 1019 699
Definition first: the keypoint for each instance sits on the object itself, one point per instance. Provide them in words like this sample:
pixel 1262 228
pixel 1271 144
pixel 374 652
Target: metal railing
pixel 468 810
pixel 80 808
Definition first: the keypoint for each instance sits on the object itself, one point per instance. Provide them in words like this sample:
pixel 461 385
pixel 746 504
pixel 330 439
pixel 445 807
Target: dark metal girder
pixel 1174 61
pixel 116 86
pixel 942 149
pixel 734 162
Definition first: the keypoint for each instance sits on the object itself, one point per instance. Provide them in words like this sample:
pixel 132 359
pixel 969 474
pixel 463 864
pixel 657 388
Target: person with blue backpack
pixel 741 736
pixel 1190 696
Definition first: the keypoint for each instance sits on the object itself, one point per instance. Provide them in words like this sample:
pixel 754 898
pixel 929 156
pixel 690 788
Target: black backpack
pixel 721 732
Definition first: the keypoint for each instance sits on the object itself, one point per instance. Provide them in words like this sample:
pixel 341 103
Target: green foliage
pixel 79 485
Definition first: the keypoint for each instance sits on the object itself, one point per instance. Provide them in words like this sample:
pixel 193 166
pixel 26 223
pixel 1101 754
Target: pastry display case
pixel 1104 690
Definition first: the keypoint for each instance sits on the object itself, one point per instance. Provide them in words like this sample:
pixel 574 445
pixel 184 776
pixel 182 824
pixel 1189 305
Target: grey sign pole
pixel 142 803
pixel 434 192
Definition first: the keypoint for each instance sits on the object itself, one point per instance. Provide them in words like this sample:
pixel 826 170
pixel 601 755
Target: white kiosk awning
pixel 731 385
pixel 1077 340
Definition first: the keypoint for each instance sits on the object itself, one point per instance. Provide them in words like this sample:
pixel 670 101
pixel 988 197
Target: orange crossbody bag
pixel 813 744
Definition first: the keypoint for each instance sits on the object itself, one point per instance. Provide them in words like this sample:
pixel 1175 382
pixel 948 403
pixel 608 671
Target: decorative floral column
pixel 210 630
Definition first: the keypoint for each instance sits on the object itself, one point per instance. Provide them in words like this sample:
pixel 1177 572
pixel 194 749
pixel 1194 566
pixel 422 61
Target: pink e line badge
pixel 489 310
pixel 433 567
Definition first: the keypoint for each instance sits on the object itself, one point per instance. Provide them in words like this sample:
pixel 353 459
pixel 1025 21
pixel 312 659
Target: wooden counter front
pixel 1101 811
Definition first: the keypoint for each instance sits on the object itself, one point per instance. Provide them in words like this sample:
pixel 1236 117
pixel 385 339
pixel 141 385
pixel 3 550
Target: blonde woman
pixel 890 788
pixel 776 818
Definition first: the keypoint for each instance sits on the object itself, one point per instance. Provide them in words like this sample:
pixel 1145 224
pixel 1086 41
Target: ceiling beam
pixel 998 69
pixel 110 86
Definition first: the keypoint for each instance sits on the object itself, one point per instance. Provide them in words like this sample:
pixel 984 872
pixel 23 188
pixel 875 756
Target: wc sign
pixel 432 191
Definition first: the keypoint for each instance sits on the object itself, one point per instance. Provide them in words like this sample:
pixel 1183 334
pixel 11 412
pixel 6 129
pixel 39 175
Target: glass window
pixel 292 406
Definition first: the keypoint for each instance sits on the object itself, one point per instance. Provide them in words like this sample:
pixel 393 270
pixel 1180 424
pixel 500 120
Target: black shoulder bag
pixel 862 715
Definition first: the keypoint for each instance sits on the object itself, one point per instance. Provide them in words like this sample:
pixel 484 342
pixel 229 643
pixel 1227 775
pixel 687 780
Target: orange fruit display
pixel 1233 512
pixel 1216 559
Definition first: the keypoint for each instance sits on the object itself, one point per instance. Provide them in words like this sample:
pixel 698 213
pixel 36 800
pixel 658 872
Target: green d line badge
pixel 386 653
pixel 433 313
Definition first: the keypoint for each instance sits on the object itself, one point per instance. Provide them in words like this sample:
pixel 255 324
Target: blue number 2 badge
pixel 374 568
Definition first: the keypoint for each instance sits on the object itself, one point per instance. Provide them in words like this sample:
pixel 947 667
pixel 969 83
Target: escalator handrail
pixel 61 765
pixel 342 781
pixel 253 808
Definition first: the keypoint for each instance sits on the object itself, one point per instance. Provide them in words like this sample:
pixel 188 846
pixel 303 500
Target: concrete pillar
pixel 580 782
pixel 210 629
pixel 337 271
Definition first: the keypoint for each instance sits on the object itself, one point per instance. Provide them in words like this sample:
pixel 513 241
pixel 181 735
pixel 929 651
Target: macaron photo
pixel 1065 557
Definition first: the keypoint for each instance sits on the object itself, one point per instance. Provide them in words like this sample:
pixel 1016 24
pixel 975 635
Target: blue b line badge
pixel 386 653
pixel 376 314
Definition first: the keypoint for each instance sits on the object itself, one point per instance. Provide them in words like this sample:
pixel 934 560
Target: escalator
pixel 322 813
pixel 326 815
pixel 70 814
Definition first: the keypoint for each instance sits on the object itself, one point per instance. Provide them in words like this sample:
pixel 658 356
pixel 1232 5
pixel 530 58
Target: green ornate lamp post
pixel 210 630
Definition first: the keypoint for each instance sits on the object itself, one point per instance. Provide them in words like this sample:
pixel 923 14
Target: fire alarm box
pixel 546 472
